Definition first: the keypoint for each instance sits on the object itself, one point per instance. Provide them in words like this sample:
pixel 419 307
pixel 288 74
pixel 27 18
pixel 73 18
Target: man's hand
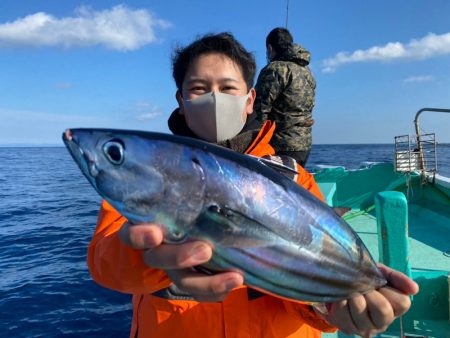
pixel 372 313
pixel 178 260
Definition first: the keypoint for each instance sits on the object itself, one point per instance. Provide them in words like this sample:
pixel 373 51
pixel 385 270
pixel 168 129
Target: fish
pixel 281 238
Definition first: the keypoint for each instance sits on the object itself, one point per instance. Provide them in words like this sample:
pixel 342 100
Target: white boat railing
pixel 414 153
pixel 420 141
pixel 417 152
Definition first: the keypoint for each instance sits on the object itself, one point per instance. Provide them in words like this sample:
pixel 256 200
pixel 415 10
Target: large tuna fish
pixel 280 237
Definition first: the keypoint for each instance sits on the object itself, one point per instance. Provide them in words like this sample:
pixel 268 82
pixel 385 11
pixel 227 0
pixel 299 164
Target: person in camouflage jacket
pixel 285 92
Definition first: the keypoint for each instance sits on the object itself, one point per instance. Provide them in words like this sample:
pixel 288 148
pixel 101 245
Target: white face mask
pixel 215 117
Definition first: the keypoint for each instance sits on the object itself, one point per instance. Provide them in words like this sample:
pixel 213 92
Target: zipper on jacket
pixel 137 316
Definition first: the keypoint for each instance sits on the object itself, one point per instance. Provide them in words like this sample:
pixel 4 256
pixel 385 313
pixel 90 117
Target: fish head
pixel 136 176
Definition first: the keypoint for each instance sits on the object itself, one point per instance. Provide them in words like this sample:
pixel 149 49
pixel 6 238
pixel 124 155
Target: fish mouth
pixel 67 135
pixel 72 145
pixel 85 163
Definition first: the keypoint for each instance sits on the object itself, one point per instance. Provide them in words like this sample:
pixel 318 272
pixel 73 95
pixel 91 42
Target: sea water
pixel 48 213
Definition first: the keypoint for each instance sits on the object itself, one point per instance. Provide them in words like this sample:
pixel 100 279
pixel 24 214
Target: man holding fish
pixel 171 296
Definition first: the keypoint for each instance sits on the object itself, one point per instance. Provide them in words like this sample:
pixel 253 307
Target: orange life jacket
pixel 243 313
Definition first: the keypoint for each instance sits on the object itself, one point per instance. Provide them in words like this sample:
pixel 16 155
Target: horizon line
pixel 55 145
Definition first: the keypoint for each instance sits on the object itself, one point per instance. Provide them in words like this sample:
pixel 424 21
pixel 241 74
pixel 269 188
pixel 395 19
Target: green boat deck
pixel 427 216
pixel 428 247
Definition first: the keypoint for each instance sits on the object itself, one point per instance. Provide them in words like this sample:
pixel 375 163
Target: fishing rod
pixel 287 13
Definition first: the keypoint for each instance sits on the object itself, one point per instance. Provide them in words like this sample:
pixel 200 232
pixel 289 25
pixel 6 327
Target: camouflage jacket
pixel 285 93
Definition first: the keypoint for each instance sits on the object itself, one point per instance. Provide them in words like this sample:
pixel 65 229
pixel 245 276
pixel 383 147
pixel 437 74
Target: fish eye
pixel 176 236
pixel 114 151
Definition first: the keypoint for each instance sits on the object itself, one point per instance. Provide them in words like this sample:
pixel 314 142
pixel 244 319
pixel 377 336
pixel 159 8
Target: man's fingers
pixel 399 280
pixel 380 310
pixel 180 256
pixel 141 236
pixel 340 316
pixel 357 307
pixel 400 302
pixel 205 288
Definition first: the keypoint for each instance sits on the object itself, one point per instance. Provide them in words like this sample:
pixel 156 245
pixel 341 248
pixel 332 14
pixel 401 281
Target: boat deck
pixel 428 220
pixel 429 245
pixel 429 236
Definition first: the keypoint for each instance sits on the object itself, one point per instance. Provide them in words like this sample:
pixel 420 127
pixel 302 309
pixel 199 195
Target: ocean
pixel 47 216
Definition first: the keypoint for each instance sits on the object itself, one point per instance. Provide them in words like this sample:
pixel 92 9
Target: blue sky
pixel 107 63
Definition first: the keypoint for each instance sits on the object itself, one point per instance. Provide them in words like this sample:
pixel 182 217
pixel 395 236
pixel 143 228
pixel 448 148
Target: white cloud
pixel 37 127
pixel 63 85
pixel 148 116
pixel 32 116
pixel 146 111
pixel 429 46
pixel 40 127
pixel 421 78
pixel 119 28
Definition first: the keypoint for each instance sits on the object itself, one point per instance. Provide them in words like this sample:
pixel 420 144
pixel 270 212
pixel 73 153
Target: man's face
pixel 215 73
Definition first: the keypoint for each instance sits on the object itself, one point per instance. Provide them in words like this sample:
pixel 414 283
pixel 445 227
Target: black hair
pixel 280 39
pixel 222 43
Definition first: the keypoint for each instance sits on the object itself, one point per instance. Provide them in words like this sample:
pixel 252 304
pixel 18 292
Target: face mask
pixel 215 117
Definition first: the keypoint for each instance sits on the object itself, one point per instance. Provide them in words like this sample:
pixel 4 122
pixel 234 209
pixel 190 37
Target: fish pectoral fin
pixel 231 228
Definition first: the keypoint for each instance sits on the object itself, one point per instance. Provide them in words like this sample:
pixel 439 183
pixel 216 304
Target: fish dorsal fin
pixel 282 164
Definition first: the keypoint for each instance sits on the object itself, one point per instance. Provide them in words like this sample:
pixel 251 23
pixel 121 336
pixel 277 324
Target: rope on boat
pixel 351 215
pixel 409 189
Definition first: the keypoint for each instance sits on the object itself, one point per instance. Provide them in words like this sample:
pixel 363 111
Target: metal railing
pixel 417 152
pixel 414 153
pixel 420 140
